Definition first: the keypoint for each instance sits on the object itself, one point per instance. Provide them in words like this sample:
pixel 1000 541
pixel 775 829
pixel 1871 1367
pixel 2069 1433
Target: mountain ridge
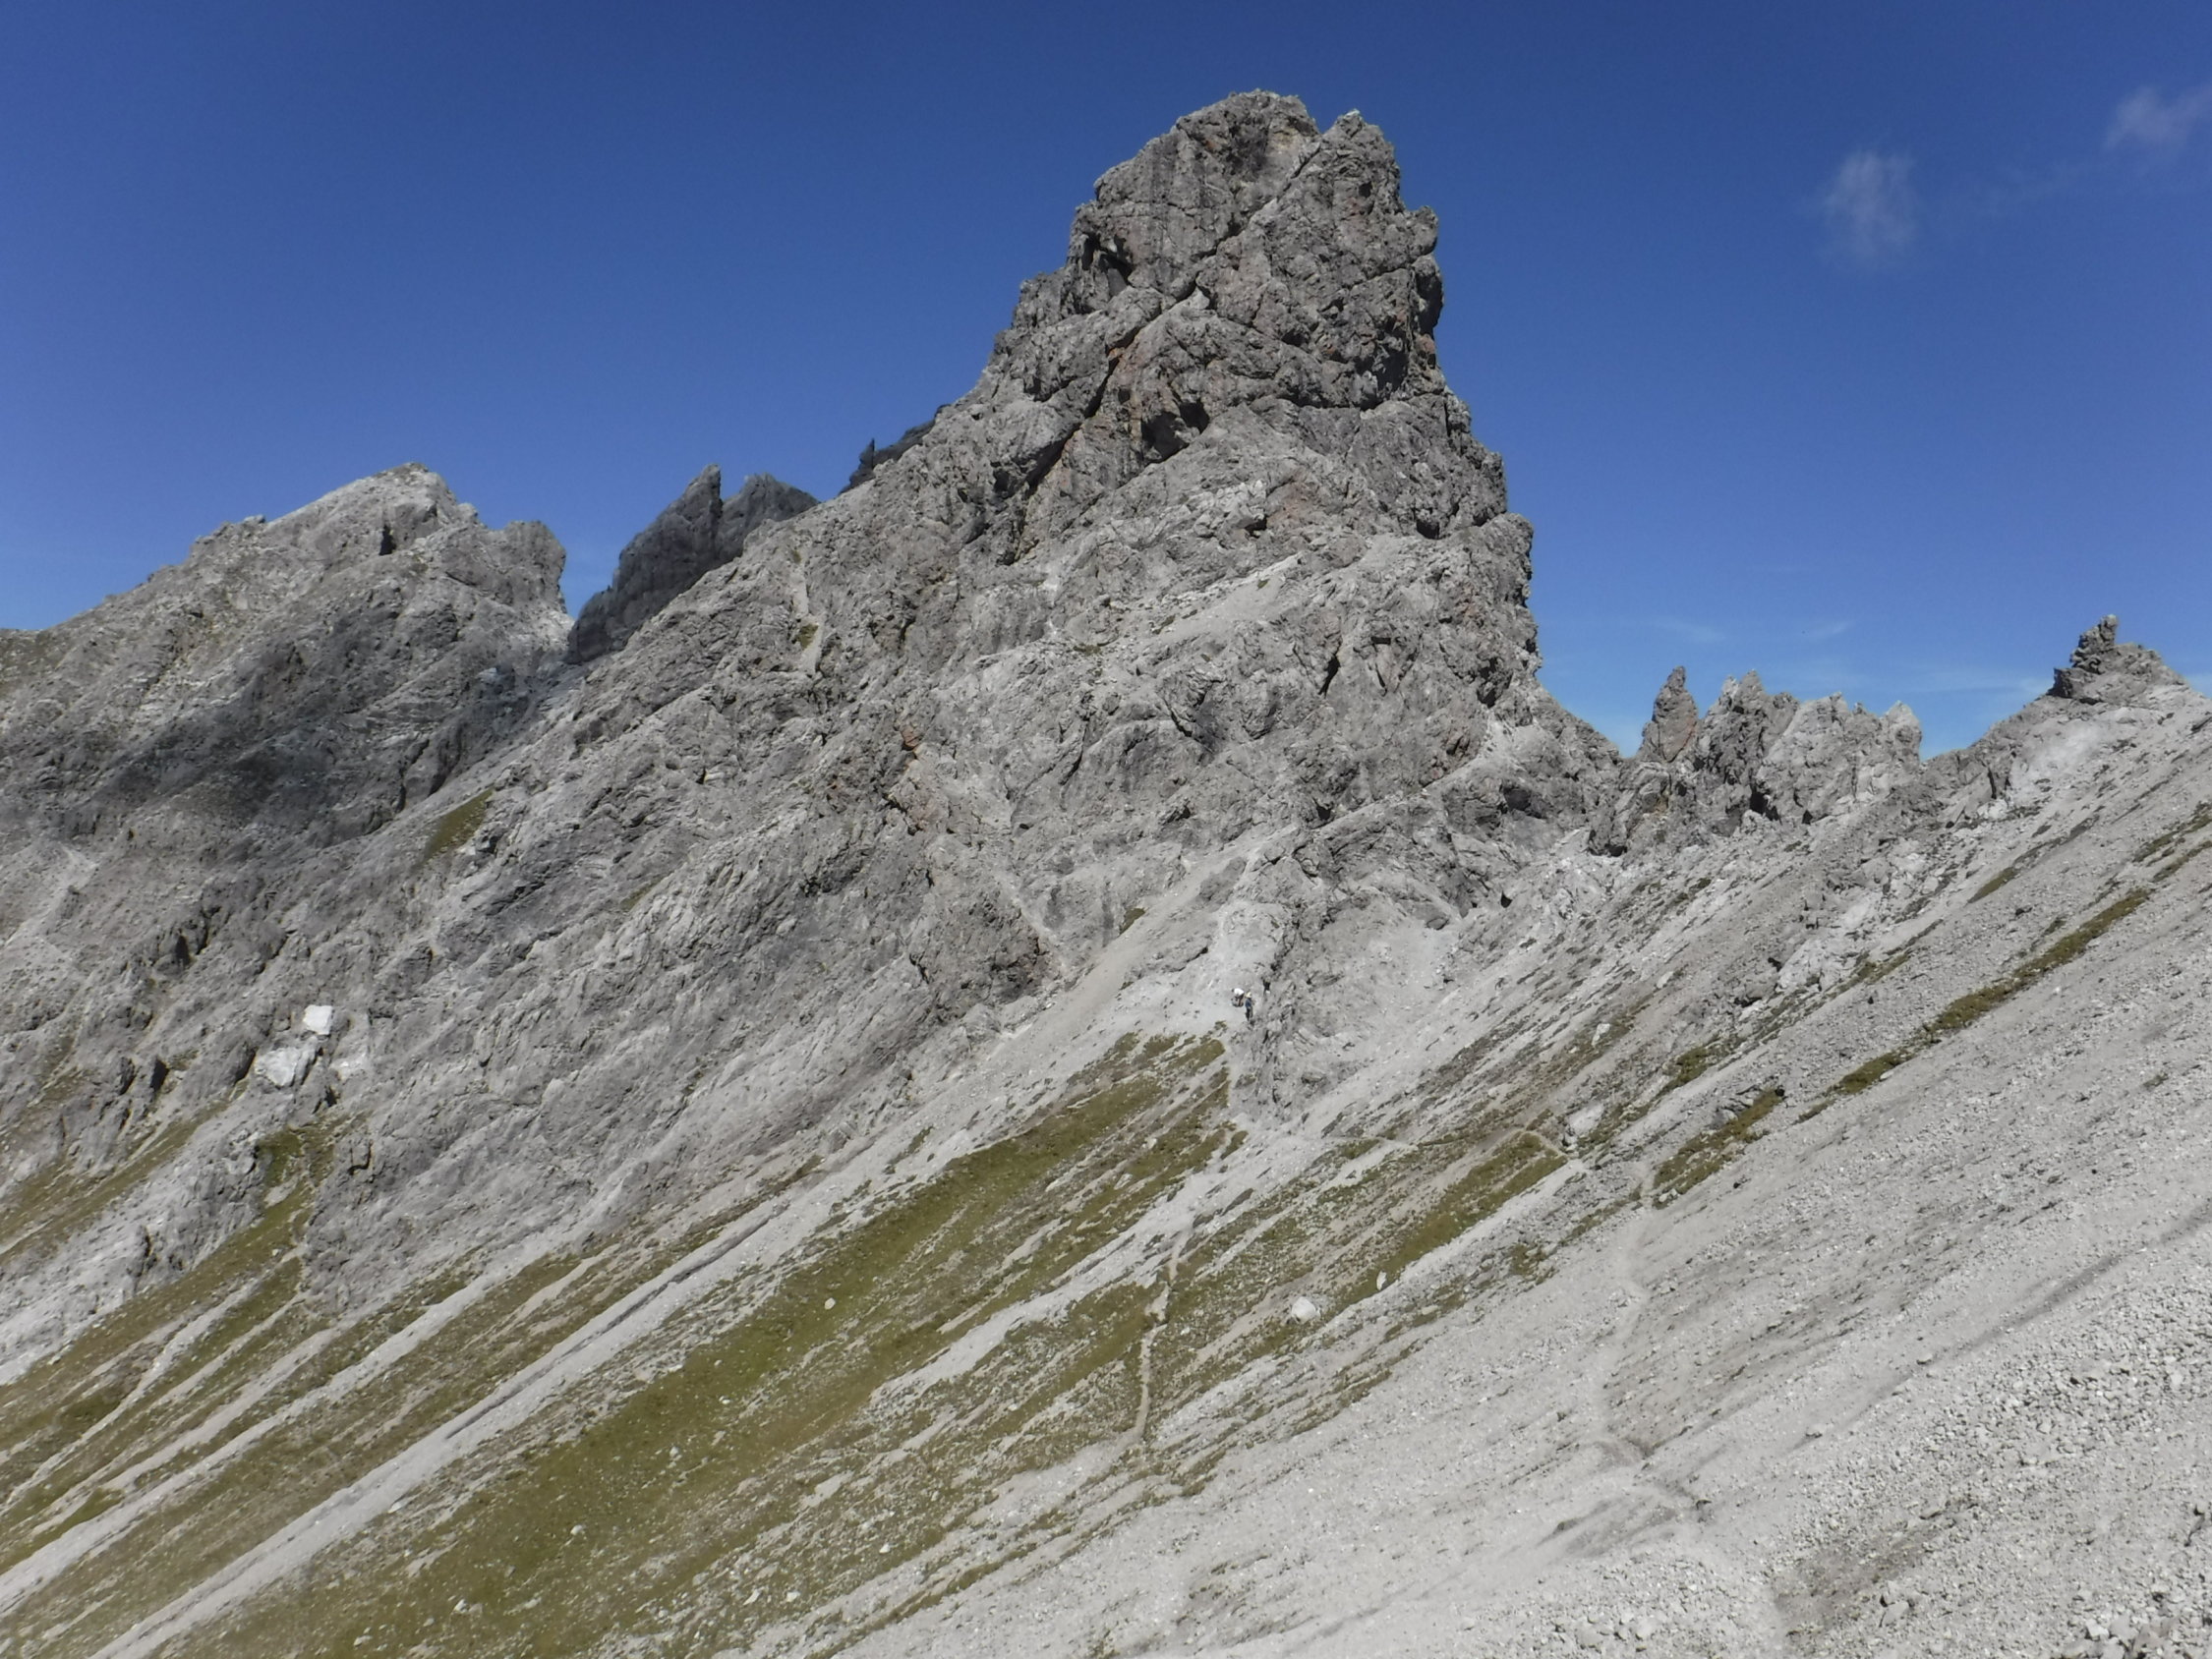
pixel 533 1136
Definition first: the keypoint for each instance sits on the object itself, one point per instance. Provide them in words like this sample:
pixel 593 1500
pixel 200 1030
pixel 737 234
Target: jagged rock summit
pixel 315 674
pixel 2106 669
pixel 1063 1052
pixel 696 532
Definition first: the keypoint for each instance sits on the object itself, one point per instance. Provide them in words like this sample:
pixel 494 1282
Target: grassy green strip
pixel 788 1457
pixel 1708 1153
pixel 1994 882
pixel 456 828
pixel 1963 1011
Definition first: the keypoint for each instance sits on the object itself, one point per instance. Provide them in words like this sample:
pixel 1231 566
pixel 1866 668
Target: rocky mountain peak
pixel 1674 719
pixel 313 672
pixel 1209 488
pixel 695 533
pixel 1244 266
pixel 382 514
pixel 1002 998
pixel 2109 669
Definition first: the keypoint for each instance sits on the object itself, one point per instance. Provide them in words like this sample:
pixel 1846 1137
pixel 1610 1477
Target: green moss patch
pixel 1866 1075
pixel 1874 969
pixel 1689 1066
pixel 1335 1241
pixel 1995 882
pixel 2151 850
pixel 62 1432
pixel 777 1445
pixel 458 828
pixel 48 1209
pixel 1712 1150
pixel 296 1464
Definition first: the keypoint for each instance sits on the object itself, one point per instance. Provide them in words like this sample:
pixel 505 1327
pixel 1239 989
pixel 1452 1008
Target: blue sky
pixel 1864 345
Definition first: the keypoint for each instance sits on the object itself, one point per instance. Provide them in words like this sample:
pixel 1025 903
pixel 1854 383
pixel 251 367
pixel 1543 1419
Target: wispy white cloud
pixel 1688 633
pixel 1827 630
pixel 1871 211
pixel 1808 673
pixel 1876 216
pixel 2148 123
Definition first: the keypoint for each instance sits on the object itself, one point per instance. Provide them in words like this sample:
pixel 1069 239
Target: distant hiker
pixel 1239 998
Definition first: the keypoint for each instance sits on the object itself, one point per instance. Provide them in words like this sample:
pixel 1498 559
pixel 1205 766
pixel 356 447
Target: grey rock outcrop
pixel 311 674
pixel 882 455
pixel 1206 580
pixel 696 532
pixel 1753 754
pixel 2109 669
pixel 1674 723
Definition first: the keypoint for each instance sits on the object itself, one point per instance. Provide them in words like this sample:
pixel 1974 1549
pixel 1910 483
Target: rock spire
pixel 696 532
pixel 2109 669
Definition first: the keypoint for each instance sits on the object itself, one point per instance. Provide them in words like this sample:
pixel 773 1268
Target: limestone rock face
pixel 1674 723
pixel 1755 754
pixel 932 743
pixel 1067 998
pixel 695 534
pixel 312 675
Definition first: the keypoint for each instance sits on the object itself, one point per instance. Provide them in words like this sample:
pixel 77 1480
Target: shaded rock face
pixel 875 455
pixel 697 533
pixel 1674 723
pixel 311 676
pixel 189 763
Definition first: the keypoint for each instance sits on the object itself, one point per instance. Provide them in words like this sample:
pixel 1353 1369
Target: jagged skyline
pixel 1779 317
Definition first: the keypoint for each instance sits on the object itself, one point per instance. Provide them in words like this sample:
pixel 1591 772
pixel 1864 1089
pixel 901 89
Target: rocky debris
pixel 2106 669
pixel 696 532
pixel 285 1064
